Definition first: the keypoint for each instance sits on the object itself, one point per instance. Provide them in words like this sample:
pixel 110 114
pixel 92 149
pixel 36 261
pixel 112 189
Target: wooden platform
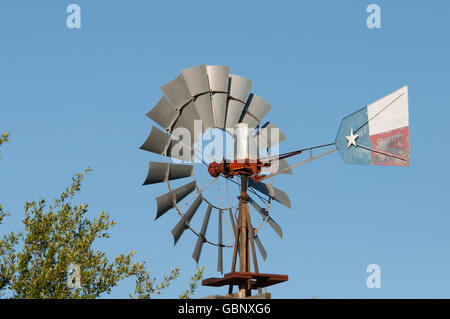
pixel 257 280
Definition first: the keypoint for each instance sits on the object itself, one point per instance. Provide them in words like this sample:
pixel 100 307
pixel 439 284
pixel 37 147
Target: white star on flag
pixel 351 139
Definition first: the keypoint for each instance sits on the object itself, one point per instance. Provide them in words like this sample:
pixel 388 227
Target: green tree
pixel 61 235
pixel 193 284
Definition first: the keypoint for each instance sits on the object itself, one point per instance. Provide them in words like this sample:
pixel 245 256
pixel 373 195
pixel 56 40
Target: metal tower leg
pixel 244 241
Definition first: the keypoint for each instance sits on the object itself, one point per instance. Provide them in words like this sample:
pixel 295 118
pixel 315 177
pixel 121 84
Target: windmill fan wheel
pixel 211 96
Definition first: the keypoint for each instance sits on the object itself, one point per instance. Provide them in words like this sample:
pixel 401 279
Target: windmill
pixel 207 97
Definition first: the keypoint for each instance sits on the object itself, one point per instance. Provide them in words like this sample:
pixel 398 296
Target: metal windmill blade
pixel 256 109
pixel 168 201
pixel 161 143
pixel 180 150
pixel 183 224
pixel 187 120
pixel 239 90
pixel 260 246
pixel 272 192
pixel 164 114
pixel 157 142
pixel 269 135
pixel 178 94
pixel 218 83
pixel 265 215
pixel 281 166
pixel 162 172
pixel 201 239
pixel 197 81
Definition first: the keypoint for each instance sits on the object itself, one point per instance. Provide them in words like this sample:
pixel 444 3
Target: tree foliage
pixel 58 236
pixel 193 284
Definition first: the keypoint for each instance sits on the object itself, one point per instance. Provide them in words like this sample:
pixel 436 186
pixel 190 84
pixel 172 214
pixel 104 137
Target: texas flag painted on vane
pixel 377 134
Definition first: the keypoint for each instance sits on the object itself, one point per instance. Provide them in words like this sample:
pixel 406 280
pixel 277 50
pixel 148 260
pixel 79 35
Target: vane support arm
pixel 293 153
pixel 311 158
pixel 286 155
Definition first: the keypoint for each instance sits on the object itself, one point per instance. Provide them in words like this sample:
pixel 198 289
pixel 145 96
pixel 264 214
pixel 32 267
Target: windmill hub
pixel 234 168
pixel 245 158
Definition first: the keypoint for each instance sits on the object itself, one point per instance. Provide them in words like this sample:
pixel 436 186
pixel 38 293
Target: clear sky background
pixel 77 98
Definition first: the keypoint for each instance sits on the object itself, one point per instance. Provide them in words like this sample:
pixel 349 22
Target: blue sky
pixel 77 98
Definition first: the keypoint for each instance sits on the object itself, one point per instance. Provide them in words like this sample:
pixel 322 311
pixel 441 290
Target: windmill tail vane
pixel 377 134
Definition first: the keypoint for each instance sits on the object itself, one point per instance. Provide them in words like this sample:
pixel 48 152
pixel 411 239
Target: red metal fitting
pixel 215 169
